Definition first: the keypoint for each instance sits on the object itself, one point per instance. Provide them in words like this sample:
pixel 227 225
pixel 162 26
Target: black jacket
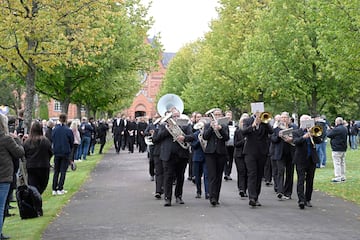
pixel 338 136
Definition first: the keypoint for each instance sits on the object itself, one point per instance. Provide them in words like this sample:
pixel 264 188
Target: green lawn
pixel 31 229
pixel 349 190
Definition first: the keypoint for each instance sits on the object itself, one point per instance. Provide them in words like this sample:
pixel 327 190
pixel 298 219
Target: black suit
pixel 131 128
pixel 118 131
pixel 239 141
pixel 157 163
pixel 305 158
pixel 256 148
pixel 174 159
pixel 215 157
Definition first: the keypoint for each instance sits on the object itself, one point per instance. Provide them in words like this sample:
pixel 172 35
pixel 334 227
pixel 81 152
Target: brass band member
pixel 239 141
pixel 155 164
pixel 283 157
pixel 255 149
pixel 174 158
pixel 305 159
pixel 215 154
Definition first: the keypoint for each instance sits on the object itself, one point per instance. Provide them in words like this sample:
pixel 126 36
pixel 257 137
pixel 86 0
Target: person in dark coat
pixel 102 129
pixel 256 149
pixel 216 136
pixel 63 140
pixel 10 149
pixel 38 152
pixel 305 159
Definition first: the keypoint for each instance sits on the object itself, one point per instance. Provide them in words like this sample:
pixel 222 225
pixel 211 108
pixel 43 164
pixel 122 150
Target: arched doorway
pixel 140 111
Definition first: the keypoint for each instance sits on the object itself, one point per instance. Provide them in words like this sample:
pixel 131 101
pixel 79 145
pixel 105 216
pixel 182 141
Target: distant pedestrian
pixel 338 136
pixel 63 140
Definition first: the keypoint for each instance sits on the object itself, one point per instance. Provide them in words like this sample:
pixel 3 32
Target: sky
pixel 181 21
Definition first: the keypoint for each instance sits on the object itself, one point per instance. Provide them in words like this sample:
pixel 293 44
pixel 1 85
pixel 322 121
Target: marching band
pixel 213 140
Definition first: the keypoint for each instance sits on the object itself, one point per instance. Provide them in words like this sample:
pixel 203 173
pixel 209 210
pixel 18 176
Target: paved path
pixel 117 203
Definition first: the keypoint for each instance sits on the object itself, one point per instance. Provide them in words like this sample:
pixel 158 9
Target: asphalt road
pixel 117 202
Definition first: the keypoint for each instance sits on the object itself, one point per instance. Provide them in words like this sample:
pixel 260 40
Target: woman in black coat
pixel 38 153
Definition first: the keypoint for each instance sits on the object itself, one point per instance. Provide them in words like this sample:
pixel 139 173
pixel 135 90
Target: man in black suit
pixel 256 148
pixel 118 131
pixel 174 158
pixel 305 159
pixel 215 154
pixel 130 133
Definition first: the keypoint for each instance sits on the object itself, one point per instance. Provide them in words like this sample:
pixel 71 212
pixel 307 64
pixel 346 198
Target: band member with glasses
pixel 215 154
pixel 255 149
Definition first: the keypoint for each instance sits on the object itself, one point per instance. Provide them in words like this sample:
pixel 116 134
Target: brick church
pixel 144 102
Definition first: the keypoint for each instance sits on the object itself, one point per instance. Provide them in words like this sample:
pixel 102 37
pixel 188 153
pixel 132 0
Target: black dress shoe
pixel 258 204
pixel 179 200
pixel 11 207
pixel 243 194
pixel 157 195
pixel 4 237
pixel 9 214
pixel 213 201
pixel 167 203
pixel 226 178
pixel 301 205
pixel 252 202
pixel 198 195
pixel 308 204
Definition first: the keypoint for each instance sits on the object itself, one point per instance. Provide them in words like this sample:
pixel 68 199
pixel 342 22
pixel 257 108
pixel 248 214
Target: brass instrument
pixel 285 134
pixel 265 117
pixel 315 131
pixel 166 103
pixel 200 126
pixel 174 130
pixel 220 121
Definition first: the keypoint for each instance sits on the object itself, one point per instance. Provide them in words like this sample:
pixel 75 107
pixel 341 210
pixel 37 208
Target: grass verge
pixel 32 229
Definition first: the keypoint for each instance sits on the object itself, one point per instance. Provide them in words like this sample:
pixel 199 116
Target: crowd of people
pixel 268 151
pixel 205 143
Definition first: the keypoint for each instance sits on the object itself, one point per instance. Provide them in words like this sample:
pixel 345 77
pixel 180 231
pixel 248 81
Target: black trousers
pixel 285 175
pixel 215 164
pixel 241 173
pixel 117 142
pixel 255 168
pixel 151 161
pixel 305 181
pixel 174 168
pixel 39 178
pixel 229 160
pixel 159 174
pixel 61 164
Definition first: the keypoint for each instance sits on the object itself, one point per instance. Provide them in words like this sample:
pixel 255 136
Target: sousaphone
pixel 169 101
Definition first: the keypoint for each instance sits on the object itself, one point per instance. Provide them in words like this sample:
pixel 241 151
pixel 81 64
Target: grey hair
pixel 339 120
pixel 4 124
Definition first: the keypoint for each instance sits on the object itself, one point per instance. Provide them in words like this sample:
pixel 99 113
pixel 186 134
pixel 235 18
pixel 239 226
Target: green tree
pixel 38 35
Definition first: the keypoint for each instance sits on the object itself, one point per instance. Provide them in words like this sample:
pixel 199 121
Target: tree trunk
pixel 78 111
pixel 65 105
pixel 30 93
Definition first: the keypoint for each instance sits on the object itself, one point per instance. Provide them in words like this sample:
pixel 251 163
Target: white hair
pixel 4 124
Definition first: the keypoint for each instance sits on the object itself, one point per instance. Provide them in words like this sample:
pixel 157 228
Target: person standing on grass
pixel 338 136
pixel 63 141
pixel 38 153
pixel 10 148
